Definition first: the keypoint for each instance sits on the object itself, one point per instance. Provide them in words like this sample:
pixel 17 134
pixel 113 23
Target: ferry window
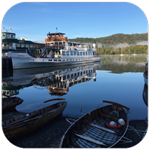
pixel 81 73
pixel 68 76
pixel 71 75
pixel 22 45
pixel 60 43
pixel 64 43
pixel 18 45
pixel 86 53
pixel 56 43
pixel 67 52
pixel 79 45
pixel 71 53
pixel 77 53
pixel 8 36
pixel 13 36
pixel 81 53
pixel 31 46
pixel 70 44
pixel 64 77
pixel 63 53
pixel 4 36
pixel 27 45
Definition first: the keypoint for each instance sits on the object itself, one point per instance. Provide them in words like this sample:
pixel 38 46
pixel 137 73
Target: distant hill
pixel 115 39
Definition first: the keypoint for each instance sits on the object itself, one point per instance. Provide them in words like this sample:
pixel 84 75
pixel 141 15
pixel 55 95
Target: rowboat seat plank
pixel 89 139
pixel 99 127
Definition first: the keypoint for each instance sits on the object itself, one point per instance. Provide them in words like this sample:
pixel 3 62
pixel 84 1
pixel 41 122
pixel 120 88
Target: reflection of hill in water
pixel 121 64
pixel 133 58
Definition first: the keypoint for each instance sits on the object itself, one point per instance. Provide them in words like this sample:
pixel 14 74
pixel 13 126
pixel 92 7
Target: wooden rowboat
pixel 10 103
pixel 27 123
pixel 90 130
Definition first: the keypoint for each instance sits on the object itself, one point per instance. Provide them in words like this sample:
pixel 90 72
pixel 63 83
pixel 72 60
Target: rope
pixel 37 120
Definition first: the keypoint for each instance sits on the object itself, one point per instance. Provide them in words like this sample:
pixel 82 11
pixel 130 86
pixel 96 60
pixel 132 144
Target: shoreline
pixel 50 135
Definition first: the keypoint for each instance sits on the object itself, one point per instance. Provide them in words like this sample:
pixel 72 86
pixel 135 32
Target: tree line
pixel 114 39
pixel 136 49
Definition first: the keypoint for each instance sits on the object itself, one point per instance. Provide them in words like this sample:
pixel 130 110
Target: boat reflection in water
pixel 56 80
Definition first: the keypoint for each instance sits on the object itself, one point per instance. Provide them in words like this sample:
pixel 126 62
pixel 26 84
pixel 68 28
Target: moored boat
pixel 145 94
pixel 57 51
pixel 10 103
pixel 145 74
pixel 91 130
pixel 27 123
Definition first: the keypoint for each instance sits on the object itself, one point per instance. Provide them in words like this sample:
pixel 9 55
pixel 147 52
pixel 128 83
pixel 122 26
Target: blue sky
pixel 34 20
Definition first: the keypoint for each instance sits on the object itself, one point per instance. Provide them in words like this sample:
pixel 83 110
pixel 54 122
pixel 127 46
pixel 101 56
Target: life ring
pixel 114 127
pixel 43 55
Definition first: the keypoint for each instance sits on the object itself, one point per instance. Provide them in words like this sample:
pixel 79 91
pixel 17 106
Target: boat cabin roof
pixel 54 34
pixel 4 32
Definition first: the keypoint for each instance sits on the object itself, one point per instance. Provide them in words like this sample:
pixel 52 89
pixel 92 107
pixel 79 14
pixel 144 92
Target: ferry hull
pixel 19 63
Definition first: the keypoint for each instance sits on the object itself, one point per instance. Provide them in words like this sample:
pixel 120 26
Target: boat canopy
pixel 55 34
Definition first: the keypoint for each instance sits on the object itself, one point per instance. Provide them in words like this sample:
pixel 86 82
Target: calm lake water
pixel 84 87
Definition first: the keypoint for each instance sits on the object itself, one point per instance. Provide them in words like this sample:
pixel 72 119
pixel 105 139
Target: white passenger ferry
pixel 56 51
